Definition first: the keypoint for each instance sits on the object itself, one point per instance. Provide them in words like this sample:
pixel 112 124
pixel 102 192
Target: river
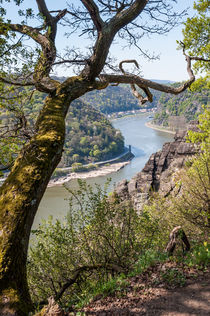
pixel 143 140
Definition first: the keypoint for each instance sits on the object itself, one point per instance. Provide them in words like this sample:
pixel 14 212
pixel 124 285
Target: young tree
pixel 196 41
pixel 20 67
pixel 196 35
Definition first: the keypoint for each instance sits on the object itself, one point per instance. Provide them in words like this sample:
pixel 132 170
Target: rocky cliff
pixel 159 172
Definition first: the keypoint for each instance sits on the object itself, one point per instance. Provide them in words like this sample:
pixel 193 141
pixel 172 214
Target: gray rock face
pixel 158 173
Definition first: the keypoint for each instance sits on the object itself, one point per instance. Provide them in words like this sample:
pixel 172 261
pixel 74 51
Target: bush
pixel 77 167
pixel 101 238
pixel 199 256
pixel 59 173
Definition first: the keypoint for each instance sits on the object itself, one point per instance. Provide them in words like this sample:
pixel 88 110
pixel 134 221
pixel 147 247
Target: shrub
pixel 101 238
pixel 199 256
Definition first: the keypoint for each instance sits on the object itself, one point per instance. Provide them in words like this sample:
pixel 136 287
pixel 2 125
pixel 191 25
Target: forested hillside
pixel 116 99
pixel 112 99
pixel 90 136
pixel 187 104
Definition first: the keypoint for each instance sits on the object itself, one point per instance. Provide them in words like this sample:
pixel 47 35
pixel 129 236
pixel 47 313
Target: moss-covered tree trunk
pixel 22 191
pixel 20 196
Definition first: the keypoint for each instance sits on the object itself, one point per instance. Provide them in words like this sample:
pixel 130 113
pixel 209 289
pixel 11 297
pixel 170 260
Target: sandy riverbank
pixel 158 128
pixel 102 171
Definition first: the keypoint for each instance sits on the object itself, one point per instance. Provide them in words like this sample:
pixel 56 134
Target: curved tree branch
pixel 136 94
pixel 94 13
pixel 106 36
pixel 46 41
pixel 145 84
pixel 17 83
pixel 26 30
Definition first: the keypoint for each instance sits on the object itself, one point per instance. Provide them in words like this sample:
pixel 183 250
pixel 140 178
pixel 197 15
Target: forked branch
pixel 145 84
pixel 94 13
pixel 137 94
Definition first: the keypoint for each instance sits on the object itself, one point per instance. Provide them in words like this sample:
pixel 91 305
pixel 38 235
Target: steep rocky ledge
pixel 159 171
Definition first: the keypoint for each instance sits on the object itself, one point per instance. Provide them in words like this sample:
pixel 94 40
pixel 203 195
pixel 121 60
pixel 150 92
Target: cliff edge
pixel 159 172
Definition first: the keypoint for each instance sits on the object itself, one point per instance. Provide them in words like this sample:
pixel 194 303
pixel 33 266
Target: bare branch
pixel 60 15
pixel 136 94
pixel 94 13
pixel 126 16
pixel 107 34
pixel 71 61
pixel 146 84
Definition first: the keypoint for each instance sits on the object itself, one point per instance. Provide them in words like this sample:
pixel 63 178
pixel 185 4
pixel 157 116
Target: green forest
pixel 117 99
pixel 188 104
pixel 90 137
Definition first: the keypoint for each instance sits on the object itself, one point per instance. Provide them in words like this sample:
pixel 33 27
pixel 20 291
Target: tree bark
pixel 22 191
pixel 20 196
pixel 177 233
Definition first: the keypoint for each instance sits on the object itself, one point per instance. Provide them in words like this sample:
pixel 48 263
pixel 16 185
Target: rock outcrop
pixel 159 172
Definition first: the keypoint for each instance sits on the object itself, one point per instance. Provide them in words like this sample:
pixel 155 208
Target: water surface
pixel 143 140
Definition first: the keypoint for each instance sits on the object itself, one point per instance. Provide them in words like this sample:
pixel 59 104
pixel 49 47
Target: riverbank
pixel 101 171
pixel 117 115
pixel 159 128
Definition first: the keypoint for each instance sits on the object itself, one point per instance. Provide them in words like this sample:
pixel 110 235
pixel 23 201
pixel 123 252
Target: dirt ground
pixel 146 295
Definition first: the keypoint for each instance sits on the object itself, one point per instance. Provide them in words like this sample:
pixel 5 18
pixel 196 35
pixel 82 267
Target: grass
pixel 174 274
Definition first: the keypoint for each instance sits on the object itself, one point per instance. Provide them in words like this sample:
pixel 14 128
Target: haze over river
pixel 143 140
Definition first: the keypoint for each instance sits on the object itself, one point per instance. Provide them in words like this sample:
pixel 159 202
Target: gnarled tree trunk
pixel 20 196
pixel 22 191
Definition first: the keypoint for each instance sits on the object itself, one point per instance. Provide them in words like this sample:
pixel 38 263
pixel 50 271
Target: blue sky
pixel 170 66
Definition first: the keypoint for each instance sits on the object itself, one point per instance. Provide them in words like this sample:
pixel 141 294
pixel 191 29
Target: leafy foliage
pixel 196 34
pixel 90 137
pixel 190 205
pixel 199 256
pixel 203 136
pixel 100 238
pixel 188 104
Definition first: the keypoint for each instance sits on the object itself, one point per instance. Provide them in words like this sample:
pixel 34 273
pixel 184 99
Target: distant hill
pixel 90 137
pixel 117 98
pixel 187 105
pixel 163 81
